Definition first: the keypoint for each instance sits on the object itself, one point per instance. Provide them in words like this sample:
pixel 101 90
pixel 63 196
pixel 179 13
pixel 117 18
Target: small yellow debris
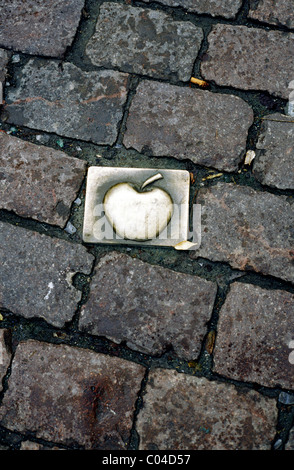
pixel 59 334
pixel 250 155
pixel 194 365
pixel 210 177
pixel 1 317
pixel 201 83
pixel 210 342
pixel 192 178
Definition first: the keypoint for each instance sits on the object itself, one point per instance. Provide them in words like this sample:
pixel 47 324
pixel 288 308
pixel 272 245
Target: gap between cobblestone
pixel 180 13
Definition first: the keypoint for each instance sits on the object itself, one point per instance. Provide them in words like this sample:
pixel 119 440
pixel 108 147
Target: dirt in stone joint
pixel 116 155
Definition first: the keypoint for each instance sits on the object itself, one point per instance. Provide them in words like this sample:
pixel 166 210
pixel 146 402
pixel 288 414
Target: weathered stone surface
pixel 143 41
pixel 208 128
pixel 250 230
pixel 250 58
pixel 254 331
pixel 149 307
pixel 228 9
pixel 71 396
pixel 290 444
pixel 5 353
pixel 30 445
pixel 274 164
pixel 277 12
pixel 68 101
pixel 38 182
pixel 4 447
pixel 4 58
pixel 182 412
pixel 36 274
pixel 40 28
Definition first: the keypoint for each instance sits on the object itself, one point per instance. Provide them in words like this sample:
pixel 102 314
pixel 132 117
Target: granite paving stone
pixel 290 443
pixel 71 396
pixel 255 328
pixel 38 182
pixel 251 230
pixel 149 307
pixel 5 353
pixel 68 101
pixel 274 164
pixel 276 12
pixel 30 445
pixel 250 59
pixel 40 28
pixel 208 128
pixel 4 58
pixel 183 412
pixel 36 274
pixel 144 41
pixel 227 9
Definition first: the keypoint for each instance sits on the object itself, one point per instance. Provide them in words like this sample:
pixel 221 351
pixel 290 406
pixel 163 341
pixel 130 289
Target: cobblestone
pixel 250 230
pixel 290 443
pixel 150 43
pixel 254 332
pixel 38 182
pixel 4 58
pixel 149 307
pixel 185 123
pixel 29 445
pixel 72 396
pixel 36 274
pixel 228 9
pixel 274 165
pixel 5 353
pixel 276 12
pixel 22 25
pixel 68 101
pixel 183 412
pixel 267 65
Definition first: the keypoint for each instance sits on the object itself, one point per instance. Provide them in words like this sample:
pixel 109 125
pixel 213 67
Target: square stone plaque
pixel 136 206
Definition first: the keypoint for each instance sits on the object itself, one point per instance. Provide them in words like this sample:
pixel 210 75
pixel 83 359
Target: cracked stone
pixel 39 28
pixel 149 307
pixel 251 230
pixel 274 164
pixel 5 353
pixel 227 9
pixel 183 412
pixel 144 41
pixel 208 128
pixel 36 274
pixel 277 12
pixel 255 329
pixel 266 64
pixel 71 396
pixel 68 101
pixel 38 182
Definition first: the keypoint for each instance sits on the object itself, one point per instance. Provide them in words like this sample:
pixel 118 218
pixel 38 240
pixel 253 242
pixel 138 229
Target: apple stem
pixel 151 180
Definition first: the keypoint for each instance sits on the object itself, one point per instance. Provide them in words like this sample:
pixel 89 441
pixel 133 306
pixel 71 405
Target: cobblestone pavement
pixel 147 348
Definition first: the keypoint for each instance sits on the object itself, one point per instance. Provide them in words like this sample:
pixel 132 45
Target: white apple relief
pixel 138 213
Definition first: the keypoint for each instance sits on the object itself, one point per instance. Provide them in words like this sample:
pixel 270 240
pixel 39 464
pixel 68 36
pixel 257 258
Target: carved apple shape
pixel 138 213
